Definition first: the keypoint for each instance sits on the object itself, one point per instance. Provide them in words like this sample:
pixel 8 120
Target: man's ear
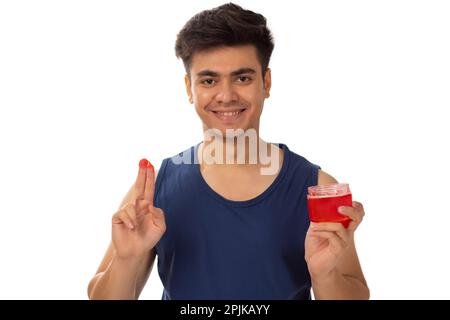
pixel 187 82
pixel 267 82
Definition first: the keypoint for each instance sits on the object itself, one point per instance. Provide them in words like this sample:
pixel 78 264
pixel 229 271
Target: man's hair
pixel 227 25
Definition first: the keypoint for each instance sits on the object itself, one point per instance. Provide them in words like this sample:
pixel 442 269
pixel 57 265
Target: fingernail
pixel 341 209
pixel 150 166
pixel 130 226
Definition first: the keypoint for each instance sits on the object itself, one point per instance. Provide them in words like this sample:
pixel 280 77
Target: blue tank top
pixel 215 248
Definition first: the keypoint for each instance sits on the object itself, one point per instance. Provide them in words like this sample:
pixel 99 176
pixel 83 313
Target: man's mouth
pixel 229 115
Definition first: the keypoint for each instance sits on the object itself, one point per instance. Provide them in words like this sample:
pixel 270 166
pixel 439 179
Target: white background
pixel 87 88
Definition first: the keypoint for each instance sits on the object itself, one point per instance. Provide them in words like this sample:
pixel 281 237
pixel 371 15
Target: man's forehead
pixel 225 60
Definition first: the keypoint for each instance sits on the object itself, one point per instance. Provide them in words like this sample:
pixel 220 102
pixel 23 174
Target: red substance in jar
pixel 325 209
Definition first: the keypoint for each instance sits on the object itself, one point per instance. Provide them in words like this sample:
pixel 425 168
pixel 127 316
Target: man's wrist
pixel 130 262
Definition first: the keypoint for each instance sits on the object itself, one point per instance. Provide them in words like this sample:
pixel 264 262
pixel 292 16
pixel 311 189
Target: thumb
pixel 157 215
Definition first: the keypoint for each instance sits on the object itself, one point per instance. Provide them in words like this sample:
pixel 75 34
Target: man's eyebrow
pixel 207 73
pixel 242 71
pixel 233 73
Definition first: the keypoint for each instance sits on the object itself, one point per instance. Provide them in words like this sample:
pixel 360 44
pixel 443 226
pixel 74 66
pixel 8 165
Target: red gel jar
pixel 324 201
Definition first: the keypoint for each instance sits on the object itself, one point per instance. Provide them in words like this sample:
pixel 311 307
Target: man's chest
pixel 238 187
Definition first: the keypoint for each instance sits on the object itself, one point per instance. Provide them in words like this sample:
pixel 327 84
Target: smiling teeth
pixel 229 114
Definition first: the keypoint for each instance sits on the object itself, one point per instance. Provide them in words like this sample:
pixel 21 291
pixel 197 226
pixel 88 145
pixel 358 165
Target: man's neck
pixel 231 155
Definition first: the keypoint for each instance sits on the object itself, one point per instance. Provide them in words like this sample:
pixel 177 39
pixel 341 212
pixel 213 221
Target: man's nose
pixel 227 93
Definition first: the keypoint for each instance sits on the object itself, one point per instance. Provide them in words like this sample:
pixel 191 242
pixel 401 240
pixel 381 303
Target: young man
pixel 223 224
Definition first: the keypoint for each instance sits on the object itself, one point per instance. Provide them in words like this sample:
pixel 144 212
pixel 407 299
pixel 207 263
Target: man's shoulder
pixel 299 160
pixel 187 156
pixel 325 178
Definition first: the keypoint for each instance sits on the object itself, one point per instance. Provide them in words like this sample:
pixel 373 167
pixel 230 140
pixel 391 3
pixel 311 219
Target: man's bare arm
pixel 121 279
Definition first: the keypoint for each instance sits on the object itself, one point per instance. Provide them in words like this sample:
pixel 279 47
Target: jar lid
pixel 329 190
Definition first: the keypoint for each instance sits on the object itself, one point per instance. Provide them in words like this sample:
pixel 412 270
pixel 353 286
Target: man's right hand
pixel 138 226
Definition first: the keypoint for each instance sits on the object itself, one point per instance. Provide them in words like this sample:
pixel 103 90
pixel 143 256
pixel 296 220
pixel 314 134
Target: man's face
pixel 227 87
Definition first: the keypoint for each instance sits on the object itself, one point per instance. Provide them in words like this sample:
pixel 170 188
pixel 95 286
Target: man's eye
pixel 207 82
pixel 244 79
